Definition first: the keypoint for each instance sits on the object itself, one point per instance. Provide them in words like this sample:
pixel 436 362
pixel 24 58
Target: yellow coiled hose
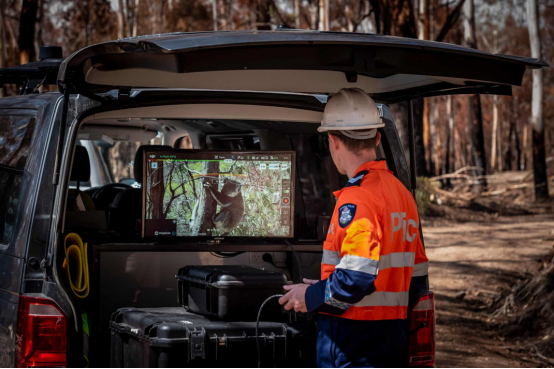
pixel 76 265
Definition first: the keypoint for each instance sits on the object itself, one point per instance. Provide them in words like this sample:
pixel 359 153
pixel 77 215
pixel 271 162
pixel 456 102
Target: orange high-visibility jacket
pixel 372 250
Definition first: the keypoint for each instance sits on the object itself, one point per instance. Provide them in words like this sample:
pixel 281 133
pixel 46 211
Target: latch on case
pixel 197 344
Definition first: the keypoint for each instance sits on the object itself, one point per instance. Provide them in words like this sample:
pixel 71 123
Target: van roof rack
pixel 29 77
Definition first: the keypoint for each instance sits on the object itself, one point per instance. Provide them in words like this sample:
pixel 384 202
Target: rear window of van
pixel 16 133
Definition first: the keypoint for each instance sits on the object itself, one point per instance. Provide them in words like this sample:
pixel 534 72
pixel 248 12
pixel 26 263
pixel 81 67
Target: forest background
pixel 482 134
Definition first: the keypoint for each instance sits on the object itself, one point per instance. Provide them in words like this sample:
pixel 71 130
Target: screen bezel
pixel 233 239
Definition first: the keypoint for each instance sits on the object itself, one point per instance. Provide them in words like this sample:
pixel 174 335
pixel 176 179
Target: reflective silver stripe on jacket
pixel 330 257
pixel 421 269
pixel 359 264
pixel 385 299
pixel 397 260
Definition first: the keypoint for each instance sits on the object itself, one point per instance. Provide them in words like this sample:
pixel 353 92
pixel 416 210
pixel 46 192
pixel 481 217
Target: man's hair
pixel 355 146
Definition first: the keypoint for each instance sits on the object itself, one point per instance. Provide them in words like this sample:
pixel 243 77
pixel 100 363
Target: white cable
pixel 258 324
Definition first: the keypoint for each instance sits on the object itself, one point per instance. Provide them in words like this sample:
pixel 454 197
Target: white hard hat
pixel 349 111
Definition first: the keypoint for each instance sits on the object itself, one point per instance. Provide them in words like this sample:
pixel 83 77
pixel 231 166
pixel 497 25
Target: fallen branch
pixel 547 359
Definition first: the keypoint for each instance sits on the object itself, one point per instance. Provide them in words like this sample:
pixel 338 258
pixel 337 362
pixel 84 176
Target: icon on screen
pixel 152 156
pixel 155 165
pixel 248 157
pixel 156 233
pixel 232 156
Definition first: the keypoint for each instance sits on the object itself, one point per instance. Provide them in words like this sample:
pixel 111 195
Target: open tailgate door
pixel 389 68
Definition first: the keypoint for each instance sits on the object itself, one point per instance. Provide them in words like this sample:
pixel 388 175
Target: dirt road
pixel 471 263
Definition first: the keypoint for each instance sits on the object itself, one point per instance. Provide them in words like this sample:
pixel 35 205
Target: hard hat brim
pixel 350 128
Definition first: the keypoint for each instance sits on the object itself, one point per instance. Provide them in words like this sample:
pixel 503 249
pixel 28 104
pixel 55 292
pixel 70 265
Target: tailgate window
pixel 16 132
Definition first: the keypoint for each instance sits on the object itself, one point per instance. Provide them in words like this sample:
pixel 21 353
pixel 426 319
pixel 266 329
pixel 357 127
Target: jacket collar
pixel 362 170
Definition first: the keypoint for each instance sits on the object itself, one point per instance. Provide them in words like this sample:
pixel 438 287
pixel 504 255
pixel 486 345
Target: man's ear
pixel 378 139
pixel 334 142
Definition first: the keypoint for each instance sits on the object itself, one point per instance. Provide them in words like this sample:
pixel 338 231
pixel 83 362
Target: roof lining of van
pixel 211 111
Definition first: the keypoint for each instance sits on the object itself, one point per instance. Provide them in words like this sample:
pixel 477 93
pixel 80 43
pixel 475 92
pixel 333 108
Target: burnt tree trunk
pixel 539 152
pixel 157 191
pixel 210 205
pixel 449 139
pixel 121 20
pixel 478 140
pixel 421 162
pixel 263 15
pixel 27 22
pixel 475 116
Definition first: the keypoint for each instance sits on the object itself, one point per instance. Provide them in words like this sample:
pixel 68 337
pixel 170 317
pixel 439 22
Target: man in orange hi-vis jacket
pixel 373 251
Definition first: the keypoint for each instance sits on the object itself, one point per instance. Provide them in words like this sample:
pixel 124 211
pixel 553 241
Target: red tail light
pixel 41 334
pixel 422 332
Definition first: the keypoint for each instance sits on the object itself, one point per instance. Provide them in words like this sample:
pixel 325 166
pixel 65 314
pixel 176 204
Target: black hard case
pixel 229 291
pixel 172 337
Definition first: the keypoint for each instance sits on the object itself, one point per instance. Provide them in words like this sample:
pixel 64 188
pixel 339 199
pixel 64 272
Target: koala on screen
pixel 232 205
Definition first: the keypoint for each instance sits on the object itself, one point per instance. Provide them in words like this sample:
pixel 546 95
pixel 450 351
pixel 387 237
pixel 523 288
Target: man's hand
pixel 310 281
pixel 295 298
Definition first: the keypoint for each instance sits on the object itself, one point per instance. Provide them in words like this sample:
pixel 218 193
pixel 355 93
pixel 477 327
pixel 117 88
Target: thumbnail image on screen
pixel 189 193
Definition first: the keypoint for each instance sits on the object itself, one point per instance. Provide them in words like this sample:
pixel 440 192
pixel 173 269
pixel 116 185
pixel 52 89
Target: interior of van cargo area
pixel 196 213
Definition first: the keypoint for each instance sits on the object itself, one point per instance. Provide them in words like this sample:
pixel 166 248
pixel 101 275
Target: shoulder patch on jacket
pixel 357 179
pixel 346 214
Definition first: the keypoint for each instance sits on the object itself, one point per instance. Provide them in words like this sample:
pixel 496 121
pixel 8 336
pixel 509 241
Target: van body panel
pixel 26 253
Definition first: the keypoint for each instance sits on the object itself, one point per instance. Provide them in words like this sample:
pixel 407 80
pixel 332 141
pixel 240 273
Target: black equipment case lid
pixel 166 337
pixel 229 291
pixel 226 276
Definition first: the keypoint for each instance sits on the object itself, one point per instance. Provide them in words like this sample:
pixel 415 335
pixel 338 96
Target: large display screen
pixel 192 193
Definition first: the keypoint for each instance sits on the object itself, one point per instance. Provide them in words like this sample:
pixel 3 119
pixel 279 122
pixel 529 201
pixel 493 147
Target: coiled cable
pixel 76 257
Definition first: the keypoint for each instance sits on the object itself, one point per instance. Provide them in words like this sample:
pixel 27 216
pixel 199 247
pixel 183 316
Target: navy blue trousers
pixel 345 343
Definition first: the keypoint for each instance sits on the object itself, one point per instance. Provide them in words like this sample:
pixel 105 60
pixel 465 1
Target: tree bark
pixel 421 162
pixel 297 14
pixel 494 130
pixel 476 117
pixel 263 16
pixel 210 205
pixel 231 15
pixel 525 152
pixel 27 23
pixel 539 152
pixel 323 15
pixel 449 130
pixel 451 20
pixel 121 21
pixel 423 34
pixel 157 192
pixel 136 8
pixel 214 15
pixel 160 19
pixel 87 16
